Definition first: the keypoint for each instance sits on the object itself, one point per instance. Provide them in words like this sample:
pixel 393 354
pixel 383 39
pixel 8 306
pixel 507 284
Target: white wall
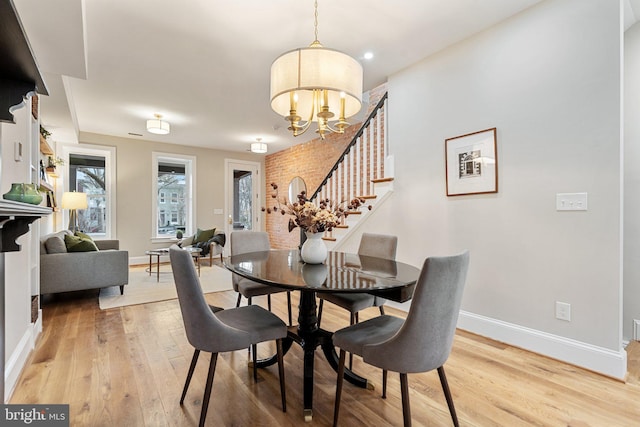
pixel 549 80
pixel 631 179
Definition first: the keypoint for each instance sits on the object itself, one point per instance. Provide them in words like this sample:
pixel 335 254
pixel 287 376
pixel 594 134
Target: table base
pixel 309 337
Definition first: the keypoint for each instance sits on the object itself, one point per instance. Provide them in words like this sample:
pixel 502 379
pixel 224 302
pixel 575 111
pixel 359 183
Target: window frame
pixel 190 192
pixel 109 154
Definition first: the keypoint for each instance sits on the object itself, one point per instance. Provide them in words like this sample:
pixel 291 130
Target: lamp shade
pixel 74 200
pixel 258 147
pixel 306 69
pixel 158 126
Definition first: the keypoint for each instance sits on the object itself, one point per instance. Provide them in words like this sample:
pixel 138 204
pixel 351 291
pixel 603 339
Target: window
pixel 174 183
pixel 92 171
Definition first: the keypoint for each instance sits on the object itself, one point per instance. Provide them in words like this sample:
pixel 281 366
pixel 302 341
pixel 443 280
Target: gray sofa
pixel 74 271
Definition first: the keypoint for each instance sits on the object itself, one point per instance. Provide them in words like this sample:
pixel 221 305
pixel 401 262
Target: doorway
pixel 243 191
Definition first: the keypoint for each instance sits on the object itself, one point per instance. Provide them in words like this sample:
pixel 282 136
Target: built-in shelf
pixel 18 68
pixel 45 148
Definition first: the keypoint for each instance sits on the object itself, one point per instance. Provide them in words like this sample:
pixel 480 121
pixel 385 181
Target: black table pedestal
pixel 309 337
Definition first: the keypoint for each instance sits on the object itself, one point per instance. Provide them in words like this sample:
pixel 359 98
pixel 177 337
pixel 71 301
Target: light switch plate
pixel 571 201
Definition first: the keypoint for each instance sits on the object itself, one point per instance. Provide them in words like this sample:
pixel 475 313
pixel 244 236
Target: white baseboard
pixel 18 359
pixel 599 359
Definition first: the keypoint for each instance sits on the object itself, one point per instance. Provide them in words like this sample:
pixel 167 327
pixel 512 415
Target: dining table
pixel 341 272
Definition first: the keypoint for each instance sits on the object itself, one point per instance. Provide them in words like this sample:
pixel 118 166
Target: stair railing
pixel 360 164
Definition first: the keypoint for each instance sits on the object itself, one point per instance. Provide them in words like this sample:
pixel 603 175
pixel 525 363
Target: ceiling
pixel 204 65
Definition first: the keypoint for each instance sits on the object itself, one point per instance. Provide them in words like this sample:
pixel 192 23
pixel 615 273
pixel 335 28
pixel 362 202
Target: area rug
pixel 143 288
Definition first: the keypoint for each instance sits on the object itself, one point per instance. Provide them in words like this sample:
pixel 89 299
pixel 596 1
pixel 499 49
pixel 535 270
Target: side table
pixel 195 254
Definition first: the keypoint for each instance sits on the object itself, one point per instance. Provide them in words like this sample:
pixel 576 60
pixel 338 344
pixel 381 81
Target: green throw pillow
pixel 82 235
pixel 203 235
pixel 79 244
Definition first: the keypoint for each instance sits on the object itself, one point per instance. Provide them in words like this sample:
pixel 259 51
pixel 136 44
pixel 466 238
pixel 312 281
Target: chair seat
pixel 354 338
pixel 352 302
pixel 249 288
pixel 260 324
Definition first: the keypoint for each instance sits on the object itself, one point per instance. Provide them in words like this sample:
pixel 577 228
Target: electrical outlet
pixel 563 311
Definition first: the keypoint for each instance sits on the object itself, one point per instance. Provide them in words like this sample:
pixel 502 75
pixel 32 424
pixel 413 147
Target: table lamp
pixel 73 201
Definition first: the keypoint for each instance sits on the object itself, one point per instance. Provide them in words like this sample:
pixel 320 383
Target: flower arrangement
pixel 311 217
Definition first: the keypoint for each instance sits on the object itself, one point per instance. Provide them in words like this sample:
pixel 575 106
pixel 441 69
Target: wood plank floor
pixel 126 367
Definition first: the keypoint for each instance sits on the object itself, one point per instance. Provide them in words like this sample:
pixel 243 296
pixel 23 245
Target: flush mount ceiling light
pixel 158 126
pixel 258 147
pixel 319 83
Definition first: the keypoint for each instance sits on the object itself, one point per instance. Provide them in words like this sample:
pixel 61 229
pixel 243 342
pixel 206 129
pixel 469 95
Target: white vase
pixel 313 251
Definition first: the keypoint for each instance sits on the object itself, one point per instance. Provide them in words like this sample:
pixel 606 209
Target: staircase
pixel 359 173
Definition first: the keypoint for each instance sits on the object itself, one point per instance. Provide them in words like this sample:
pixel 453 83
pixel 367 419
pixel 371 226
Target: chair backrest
pixel 204 330
pixel 244 242
pixel 425 339
pixel 378 245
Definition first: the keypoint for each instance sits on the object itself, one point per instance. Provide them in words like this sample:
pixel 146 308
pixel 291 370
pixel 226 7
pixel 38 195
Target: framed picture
pixel 471 162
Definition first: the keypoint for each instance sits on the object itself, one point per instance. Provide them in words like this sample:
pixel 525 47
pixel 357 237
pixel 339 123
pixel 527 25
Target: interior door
pixel 243 196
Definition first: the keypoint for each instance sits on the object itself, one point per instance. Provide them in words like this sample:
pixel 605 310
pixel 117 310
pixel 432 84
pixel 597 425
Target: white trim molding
pixel 17 360
pixel 599 359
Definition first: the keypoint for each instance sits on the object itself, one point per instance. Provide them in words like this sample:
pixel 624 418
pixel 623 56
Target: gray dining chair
pixel 214 330
pixel 420 343
pixel 242 242
pixel 373 245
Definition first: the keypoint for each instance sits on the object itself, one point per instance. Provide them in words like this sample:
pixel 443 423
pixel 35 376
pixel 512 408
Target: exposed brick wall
pixel 311 161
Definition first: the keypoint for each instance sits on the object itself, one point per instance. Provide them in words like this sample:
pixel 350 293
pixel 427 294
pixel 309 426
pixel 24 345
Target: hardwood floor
pixel 126 367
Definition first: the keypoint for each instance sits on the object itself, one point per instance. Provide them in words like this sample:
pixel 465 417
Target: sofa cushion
pixel 79 244
pixel 55 245
pixel 43 239
pixel 203 235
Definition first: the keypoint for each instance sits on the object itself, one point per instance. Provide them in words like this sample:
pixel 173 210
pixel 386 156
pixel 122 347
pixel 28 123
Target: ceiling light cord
pixel 315 21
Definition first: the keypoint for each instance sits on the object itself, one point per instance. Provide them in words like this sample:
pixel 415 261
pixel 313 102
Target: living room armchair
pixel 210 241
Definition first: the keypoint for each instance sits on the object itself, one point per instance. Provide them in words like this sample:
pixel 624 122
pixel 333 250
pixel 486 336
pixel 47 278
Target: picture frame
pixel 471 163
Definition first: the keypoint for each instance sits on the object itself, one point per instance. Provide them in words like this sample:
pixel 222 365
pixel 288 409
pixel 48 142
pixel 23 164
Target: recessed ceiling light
pixel 368 55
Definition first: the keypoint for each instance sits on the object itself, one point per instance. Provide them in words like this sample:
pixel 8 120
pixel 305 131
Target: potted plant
pixel 52 162
pixel 45 133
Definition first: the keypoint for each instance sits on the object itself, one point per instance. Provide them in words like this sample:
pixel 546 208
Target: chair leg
pixel 447 395
pixel 254 348
pixel 207 389
pixel 238 302
pixel 406 409
pixel 192 368
pixel 320 305
pixel 269 302
pixel 283 393
pixel 384 383
pixel 289 308
pixel 336 409
pixel 382 310
pixel 121 289
pixel 353 321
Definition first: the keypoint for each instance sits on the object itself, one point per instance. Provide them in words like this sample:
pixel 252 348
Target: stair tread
pixel 372 196
pixel 331 239
pixel 389 179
